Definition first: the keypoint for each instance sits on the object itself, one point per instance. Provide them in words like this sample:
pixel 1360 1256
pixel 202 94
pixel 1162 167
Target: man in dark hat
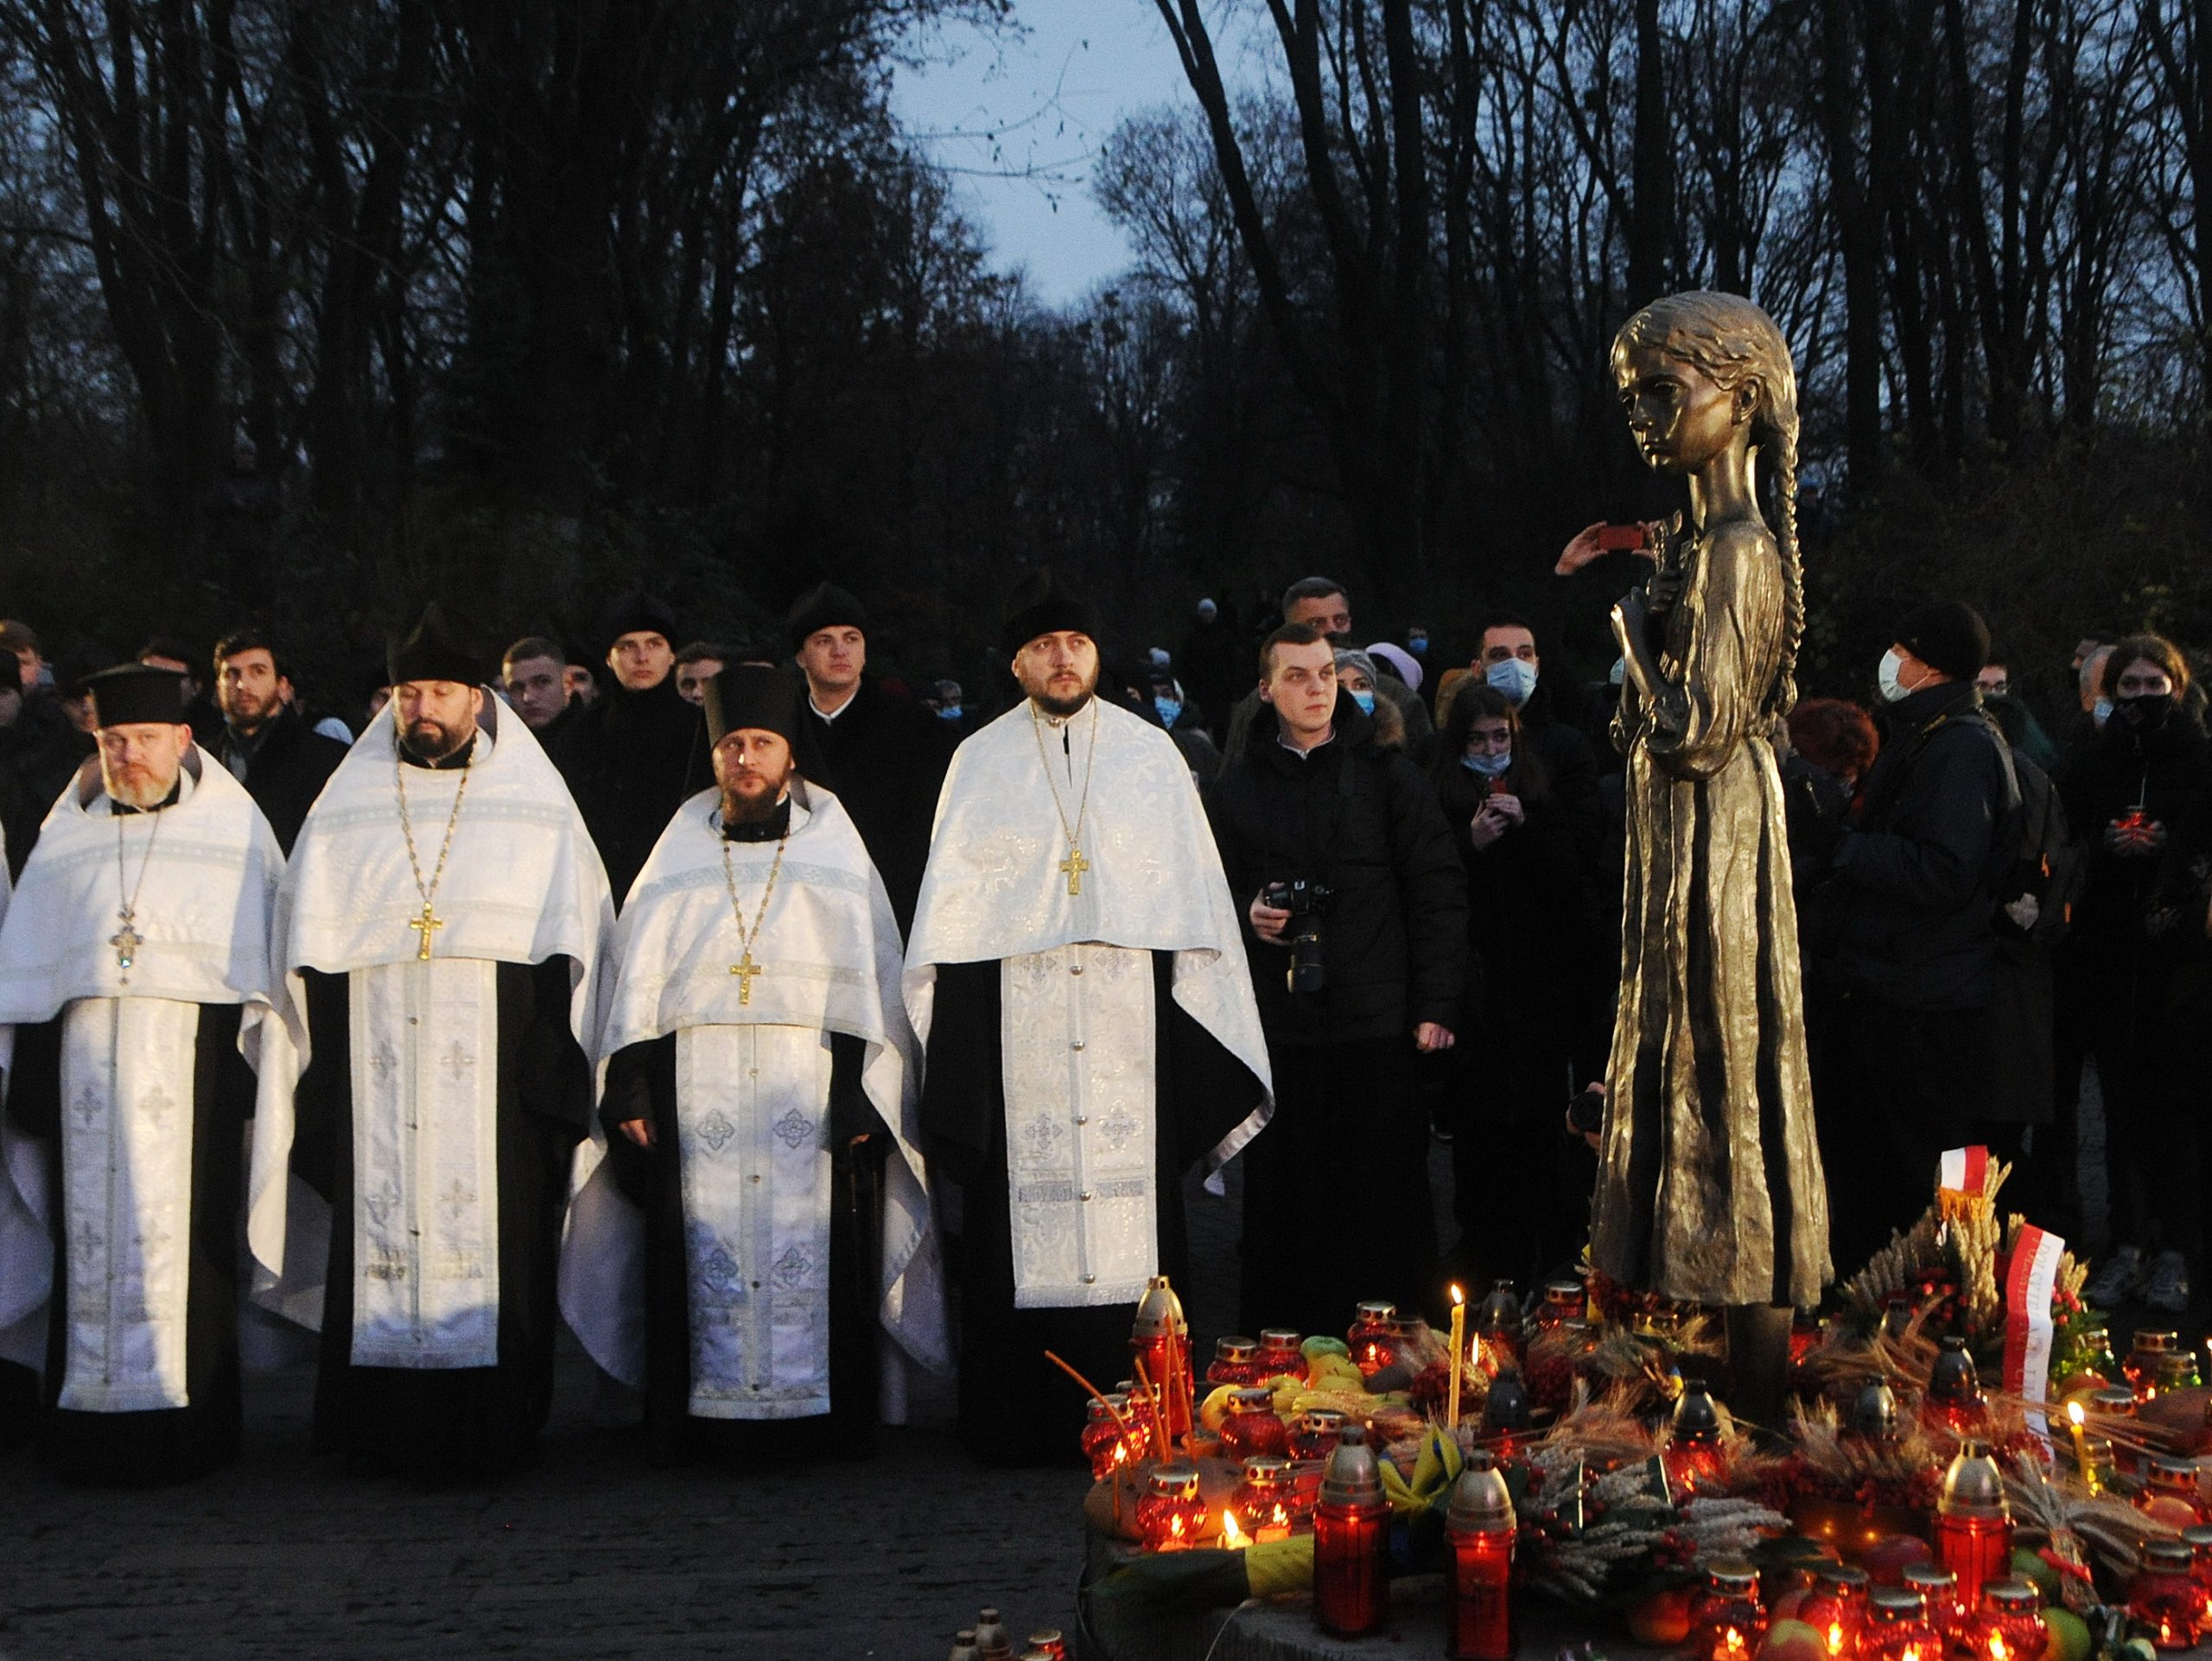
pixel 134 959
pixel 1075 974
pixel 759 943
pixel 263 741
pixel 884 755
pixel 640 749
pixel 448 919
pixel 1912 906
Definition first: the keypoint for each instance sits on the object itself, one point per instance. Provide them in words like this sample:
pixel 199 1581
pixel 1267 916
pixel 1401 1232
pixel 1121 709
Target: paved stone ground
pixel 591 1554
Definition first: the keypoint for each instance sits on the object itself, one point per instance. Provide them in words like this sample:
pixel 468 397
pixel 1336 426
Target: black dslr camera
pixel 1306 903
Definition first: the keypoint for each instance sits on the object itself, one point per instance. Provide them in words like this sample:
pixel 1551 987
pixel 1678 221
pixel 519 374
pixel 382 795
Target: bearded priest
pixel 449 917
pixel 760 1102
pixel 135 974
pixel 1079 982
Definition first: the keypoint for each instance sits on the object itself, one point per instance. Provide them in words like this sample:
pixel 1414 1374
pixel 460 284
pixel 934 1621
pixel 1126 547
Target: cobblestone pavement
pixel 591 1554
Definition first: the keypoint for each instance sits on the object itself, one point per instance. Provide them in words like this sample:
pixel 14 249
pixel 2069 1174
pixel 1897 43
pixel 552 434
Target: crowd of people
pixel 794 1031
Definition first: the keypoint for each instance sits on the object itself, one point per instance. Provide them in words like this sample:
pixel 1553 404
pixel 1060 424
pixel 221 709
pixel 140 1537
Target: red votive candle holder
pixel 1373 1337
pixel 2170 1494
pixel 2163 1602
pixel 1726 1618
pixel 1692 1455
pixel 1973 1524
pixel 1481 1531
pixel 1954 1398
pixel 1837 1610
pixel 1564 1301
pixel 2141 1367
pixel 1938 1589
pixel 1102 1435
pixel 1161 1340
pixel 1169 1513
pixel 1252 1426
pixel 1233 1360
pixel 1265 1503
pixel 2010 1626
pixel 1351 1531
pixel 1280 1352
pixel 1898 1627
pixel 2199 1542
pixel 1497 1328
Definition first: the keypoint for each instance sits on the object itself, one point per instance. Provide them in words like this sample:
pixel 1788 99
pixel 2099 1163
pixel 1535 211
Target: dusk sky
pixel 1018 118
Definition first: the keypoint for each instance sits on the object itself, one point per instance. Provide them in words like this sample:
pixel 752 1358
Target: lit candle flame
pixel 2073 1412
pixel 1733 1641
pixel 1458 1296
pixel 1835 1638
pixel 1231 1535
pixel 1999 1650
pixel 1912 1652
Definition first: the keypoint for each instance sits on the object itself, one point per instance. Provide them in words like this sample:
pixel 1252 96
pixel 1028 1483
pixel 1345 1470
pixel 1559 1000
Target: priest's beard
pixel 432 740
pixel 136 786
pixel 753 798
pixel 1061 705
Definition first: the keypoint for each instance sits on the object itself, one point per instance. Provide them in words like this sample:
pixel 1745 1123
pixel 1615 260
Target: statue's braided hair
pixel 1733 341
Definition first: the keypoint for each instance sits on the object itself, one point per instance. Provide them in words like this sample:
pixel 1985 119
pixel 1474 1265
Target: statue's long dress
pixel 1710 1186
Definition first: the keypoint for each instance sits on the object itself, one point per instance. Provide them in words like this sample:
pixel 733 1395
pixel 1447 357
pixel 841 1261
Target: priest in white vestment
pixel 761 1216
pixel 449 917
pixel 136 983
pixel 1077 980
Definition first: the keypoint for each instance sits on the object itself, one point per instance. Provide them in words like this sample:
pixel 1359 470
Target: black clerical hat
pixel 1043 605
pixel 636 613
pixel 436 648
pixel 136 692
pixel 751 696
pixel 824 606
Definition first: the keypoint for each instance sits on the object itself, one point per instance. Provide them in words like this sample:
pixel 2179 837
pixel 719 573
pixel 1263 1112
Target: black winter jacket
pixel 285 771
pixel 1394 935
pixel 1914 897
pixel 2163 772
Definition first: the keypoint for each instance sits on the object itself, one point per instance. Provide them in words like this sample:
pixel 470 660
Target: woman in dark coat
pixel 2124 796
pixel 1520 1190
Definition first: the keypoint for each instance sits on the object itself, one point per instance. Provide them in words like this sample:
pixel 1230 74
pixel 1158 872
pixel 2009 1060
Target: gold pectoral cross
pixel 1075 865
pixel 126 941
pixel 745 969
pixel 425 926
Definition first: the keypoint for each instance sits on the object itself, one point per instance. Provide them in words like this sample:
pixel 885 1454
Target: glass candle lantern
pixel 2170 1494
pixel 2164 1603
pixel 1506 1412
pixel 1726 1618
pixel 2177 1369
pixel 1373 1338
pixel 1480 1531
pixel 1265 1502
pixel 1233 1360
pixel 1898 1627
pixel 1837 1610
pixel 2199 1542
pixel 1692 1455
pixel 1252 1426
pixel 1101 1435
pixel 1169 1513
pixel 2140 1368
pixel 1938 1588
pixel 1049 1643
pixel 1351 1531
pixel 1954 1398
pixel 1973 1524
pixel 1564 1301
pixel 1497 1328
pixel 2084 1353
pixel 1160 1342
pixel 1876 1416
pixel 2010 1626
pixel 1279 1353
pixel 1315 1437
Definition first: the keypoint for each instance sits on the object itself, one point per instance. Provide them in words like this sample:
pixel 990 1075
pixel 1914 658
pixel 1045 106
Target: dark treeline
pixel 311 309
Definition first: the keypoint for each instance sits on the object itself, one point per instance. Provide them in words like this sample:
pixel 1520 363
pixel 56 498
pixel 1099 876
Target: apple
pixel 1887 1559
pixel 1792 1640
pixel 2029 1566
pixel 2069 1636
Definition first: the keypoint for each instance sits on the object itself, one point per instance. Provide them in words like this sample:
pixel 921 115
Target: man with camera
pixel 1358 911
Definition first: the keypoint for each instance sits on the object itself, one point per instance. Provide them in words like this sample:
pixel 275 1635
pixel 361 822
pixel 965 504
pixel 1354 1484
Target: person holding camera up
pixel 1356 910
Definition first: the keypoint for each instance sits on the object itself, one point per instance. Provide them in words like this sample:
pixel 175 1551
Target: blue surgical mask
pixel 1169 708
pixel 1489 766
pixel 1514 677
pixel 2101 711
pixel 1888 676
pixel 1418 645
pixel 949 712
pixel 1366 701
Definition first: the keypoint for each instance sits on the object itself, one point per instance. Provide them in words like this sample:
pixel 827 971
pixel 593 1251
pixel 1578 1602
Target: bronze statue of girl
pixel 1710 1187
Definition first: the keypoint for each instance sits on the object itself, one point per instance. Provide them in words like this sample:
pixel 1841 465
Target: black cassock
pixel 641 1083
pixel 167 1444
pixel 457 1421
pixel 884 757
pixel 1015 1407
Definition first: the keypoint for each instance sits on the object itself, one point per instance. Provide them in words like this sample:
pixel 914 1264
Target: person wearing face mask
pixel 2126 792
pixel 1358 675
pixel 1185 724
pixel 1911 900
pixel 1543 1008
pixel 1507 658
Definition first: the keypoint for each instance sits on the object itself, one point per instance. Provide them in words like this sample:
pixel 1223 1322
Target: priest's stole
pixel 426 1181
pixel 1076 1035
pixel 126 1169
pixel 752 1112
